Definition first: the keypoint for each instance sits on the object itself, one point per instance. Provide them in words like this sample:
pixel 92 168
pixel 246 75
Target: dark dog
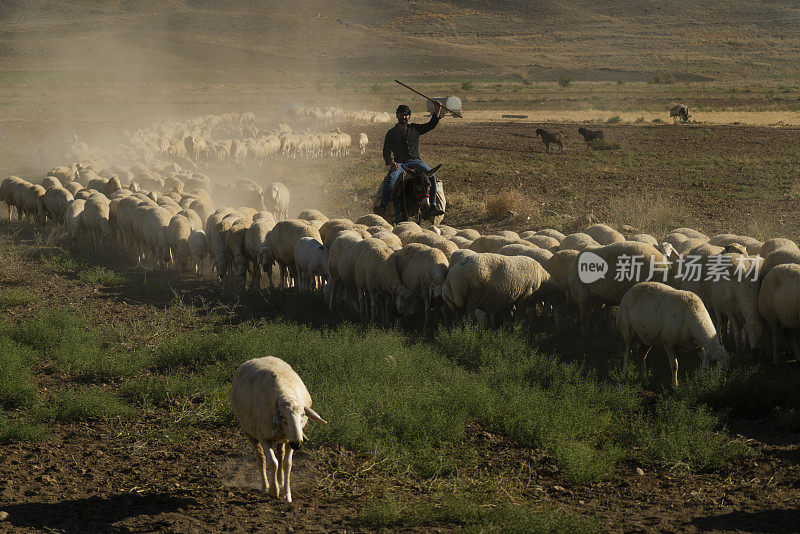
pixel 590 135
pixel 556 138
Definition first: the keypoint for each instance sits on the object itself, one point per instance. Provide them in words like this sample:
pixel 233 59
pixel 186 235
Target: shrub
pixel 502 204
pixel 467 86
pixel 616 119
pixel 564 82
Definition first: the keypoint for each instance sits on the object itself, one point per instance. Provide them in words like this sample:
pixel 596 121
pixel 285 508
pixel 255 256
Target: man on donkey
pixel 401 146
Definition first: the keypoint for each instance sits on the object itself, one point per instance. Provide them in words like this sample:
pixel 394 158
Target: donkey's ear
pixel 433 170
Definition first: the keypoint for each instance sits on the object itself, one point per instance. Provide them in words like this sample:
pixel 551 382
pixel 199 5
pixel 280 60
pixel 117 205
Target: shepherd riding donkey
pixel 410 183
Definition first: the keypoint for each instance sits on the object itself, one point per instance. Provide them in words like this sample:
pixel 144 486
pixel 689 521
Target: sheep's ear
pixel 433 170
pixel 315 416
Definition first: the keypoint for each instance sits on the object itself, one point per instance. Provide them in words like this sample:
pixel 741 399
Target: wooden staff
pixel 457 114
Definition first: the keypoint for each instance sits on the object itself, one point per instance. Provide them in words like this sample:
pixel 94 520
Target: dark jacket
pixel 405 144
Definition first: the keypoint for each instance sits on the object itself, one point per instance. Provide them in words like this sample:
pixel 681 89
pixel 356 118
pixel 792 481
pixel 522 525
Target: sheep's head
pixel 290 419
pixel 264 258
pixel 239 265
pixel 406 301
pixel 717 354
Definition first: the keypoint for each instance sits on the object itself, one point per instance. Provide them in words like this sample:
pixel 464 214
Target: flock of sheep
pixel 439 273
pixel 230 140
pixel 332 114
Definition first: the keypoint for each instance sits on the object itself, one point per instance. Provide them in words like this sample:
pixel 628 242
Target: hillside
pixel 540 41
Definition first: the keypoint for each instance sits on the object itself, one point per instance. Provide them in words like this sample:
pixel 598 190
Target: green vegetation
pixel 467 86
pixel 564 82
pixel 101 276
pixel 16 297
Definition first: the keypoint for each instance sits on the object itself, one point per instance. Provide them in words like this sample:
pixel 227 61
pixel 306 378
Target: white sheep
pixel 550 232
pixel 468 233
pixel 340 267
pixel 493 243
pixel 178 233
pixel 362 142
pixel 198 250
pixel 311 260
pixel 578 241
pixel 281 242
pixel 435 241
pixel 779 305
pixel 604 234
pixel 276 200
pixel 376 279
pixel 254 241
pixel 423 270
pixel 492 283
pixel 655 314
pixel 56 200
pixel 272 406
pixel 72 216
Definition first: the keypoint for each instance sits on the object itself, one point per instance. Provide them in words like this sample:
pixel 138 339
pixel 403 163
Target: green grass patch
pixel 12 430
pixel 90 404
pixel 101 276
pixel 473 513
pixel 60 261
pixel 16 297
pixel 16 385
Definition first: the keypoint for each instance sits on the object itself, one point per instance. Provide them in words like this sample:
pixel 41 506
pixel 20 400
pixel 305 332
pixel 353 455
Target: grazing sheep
pixel 178 233
pixel 281 242
pixel 389 238
pixel 311 260
pixel 435 241
pixel 543 241
pixel 95 221
pixel 50 181
pixel 590 135
pixel 362 142
pixel 468 233
pixel 578 241
pixel 644 238
pixel 779 305
pixel 55 201
pixel 340 266
pixel 374 220
pixel 781 256
pixel 198 250
pixel 493 243
pixel 272 406
pixel 776 243
pixel 461 242
pixel 423 270
pixel 312 216
pixel 549 138
pixel 491 283
pixel 254 241
pixel 377 281
pixel 550 232
pixel 72 217
pixel 654 314
pixel 604 234
pixel 690 232
pixel 276 200
pixel 334 224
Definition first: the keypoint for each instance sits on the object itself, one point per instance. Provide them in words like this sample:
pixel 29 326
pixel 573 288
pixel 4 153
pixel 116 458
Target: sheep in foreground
pixel 272 406
pixel 779 305
pixel 654 314
pixel 548 138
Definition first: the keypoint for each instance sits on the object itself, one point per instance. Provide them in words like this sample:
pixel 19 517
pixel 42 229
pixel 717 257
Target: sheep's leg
pixel 286 488
pixel 737 333
pixel 373 301
pixel 262 462
pixel 642 356
pixel 426 302
pixel 273 474
pixel 672 357
pixel 775 342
